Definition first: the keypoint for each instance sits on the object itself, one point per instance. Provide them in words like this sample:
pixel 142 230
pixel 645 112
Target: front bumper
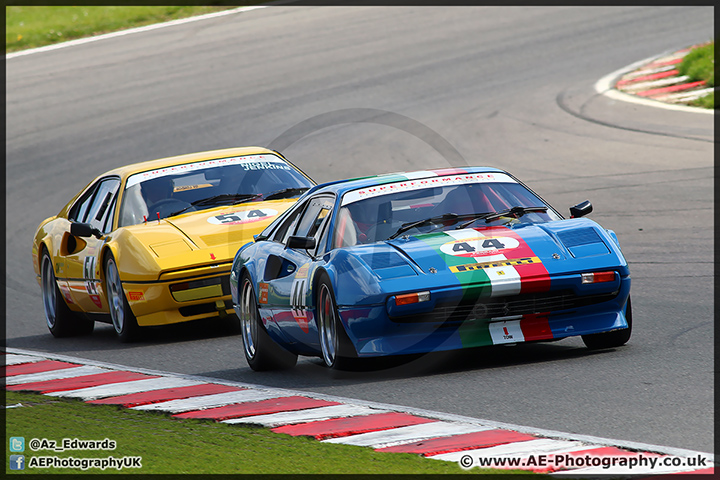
pixel 181 299
pixel 549 316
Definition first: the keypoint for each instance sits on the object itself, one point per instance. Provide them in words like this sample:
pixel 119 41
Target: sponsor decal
pixel 244 216
pixel 66 293
pixel 479 246
pixel 96 300
pixel 183 188
pixel 136 296
pixel 500 263
pixel 248 162
pixel 264 288
pixel 418 184
pixel 303 271
pixel 506 332
pixel 272 165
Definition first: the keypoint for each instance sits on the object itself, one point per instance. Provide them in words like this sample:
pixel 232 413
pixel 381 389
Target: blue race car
pixel 426 261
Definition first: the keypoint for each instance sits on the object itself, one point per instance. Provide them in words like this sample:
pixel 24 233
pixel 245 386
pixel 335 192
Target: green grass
pixel 173 446
pixel 37 26
pixel 699 64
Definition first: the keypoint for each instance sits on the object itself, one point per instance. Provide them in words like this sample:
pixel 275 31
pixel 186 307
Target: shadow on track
pixel 311 372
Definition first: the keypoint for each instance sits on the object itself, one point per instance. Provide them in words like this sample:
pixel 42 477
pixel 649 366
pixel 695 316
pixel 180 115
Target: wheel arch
pixel 107 249
pixel 42 248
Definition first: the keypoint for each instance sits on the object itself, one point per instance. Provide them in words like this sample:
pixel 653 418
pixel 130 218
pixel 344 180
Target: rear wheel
pixel 612 339
pixel 61 321
pixel 334 343
pixel 261 352
pixel 123 319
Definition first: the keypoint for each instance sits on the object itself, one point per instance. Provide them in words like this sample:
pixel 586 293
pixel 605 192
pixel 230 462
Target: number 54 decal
pixel 244 216
pixel 89 275
pixel 91 281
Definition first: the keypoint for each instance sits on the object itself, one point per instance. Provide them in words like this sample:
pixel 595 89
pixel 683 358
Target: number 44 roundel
pixel 478 247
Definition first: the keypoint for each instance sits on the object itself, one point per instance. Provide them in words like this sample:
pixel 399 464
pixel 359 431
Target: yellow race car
pixel 153 243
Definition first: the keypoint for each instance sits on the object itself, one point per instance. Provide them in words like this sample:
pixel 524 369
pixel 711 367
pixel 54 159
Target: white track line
pixel 130 31
pixel 204 402
pixel 271 420
pixel 126 388
pixel 648 71
pixel 11 359
pixel 642 86
pixel 54 375
pixel 408 434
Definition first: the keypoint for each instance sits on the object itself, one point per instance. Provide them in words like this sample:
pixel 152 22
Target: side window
pixel 101 203
pixel 107 225
pixel 322 237
pixel 78 212
pixel 311 220
pixel 287 226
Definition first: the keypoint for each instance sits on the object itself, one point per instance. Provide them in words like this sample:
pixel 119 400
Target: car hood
pixel 572 245
pixel 205 238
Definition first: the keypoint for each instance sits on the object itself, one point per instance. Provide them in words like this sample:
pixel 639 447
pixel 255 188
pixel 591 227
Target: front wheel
pixel 261 352
pixel 61 321
pixel 334 343
pixel 123 319
pixel 612 339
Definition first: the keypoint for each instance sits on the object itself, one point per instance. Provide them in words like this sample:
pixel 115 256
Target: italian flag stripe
pixel 534 276
pixel 505 279
pixel 523 328
pixel 496 262
pixel 518 270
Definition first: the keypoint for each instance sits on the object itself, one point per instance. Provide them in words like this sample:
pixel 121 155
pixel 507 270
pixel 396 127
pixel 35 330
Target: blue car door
pixel 287 273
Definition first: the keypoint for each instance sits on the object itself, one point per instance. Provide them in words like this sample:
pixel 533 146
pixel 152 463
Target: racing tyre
pixel 261 352
pixel 335 345
pixel 123 319
pixel 612 339
pixel 61 321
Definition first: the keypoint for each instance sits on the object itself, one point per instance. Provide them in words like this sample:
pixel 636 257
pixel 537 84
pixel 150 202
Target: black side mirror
pixel 84 230
pixel 581 209
pixel 306 243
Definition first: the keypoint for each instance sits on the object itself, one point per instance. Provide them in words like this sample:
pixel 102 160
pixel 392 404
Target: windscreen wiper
pixel 428 221
pixel 222 199
pixel 516 211
pixel 473 218
pixel 285 193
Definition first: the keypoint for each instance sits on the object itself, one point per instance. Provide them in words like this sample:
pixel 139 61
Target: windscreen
pixel 196 186
pixel 381 212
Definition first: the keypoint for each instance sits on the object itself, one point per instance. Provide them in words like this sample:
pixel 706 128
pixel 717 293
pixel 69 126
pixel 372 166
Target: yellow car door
pixel 95 212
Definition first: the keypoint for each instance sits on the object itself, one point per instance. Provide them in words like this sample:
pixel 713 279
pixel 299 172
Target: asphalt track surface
pixel 346 92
